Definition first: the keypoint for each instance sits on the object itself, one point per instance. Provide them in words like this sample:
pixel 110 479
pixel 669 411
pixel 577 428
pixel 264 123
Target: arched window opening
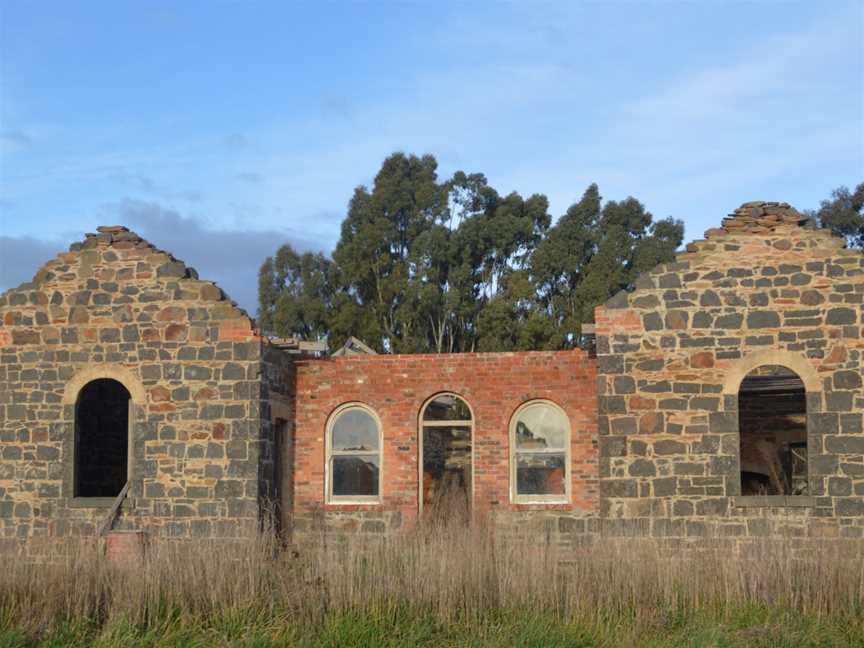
pixel 540 452
pixel 772 417
pixel 354 455
pixel 101 439
pixel 447 428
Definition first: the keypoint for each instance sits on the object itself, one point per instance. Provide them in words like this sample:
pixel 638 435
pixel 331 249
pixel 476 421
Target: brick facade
pixel 396 387
pixel 228 429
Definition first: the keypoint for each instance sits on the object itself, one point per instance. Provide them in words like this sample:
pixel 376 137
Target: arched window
pixel 540 453
pixel 353 455
pixel 446 427
pixel 772 418
pixel 101 439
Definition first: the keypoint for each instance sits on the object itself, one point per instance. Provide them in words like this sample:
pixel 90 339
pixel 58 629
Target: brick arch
pixel 792 361
pixel 115 372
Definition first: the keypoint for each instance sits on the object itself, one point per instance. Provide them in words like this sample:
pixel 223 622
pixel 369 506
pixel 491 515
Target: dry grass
pixel 454 575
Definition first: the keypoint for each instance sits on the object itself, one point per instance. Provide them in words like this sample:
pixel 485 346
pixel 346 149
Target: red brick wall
pixel 397 386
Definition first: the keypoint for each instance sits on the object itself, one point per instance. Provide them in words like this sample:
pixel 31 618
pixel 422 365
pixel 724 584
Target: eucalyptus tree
pixel 843 213
pixel 430 265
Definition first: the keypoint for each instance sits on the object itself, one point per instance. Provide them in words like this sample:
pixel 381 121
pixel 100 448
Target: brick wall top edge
pixel 571 354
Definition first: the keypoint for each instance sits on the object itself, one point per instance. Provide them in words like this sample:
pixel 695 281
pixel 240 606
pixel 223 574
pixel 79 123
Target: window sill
pixel 92 502
pixel 354 502
pixel 773 501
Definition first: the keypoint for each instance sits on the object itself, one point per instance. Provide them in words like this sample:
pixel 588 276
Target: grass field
pixel 437 587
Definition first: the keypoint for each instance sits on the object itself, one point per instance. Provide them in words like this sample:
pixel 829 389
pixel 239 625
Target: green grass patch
pixel 749 626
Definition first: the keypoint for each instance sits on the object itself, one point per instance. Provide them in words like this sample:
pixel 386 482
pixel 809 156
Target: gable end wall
pixel 671 356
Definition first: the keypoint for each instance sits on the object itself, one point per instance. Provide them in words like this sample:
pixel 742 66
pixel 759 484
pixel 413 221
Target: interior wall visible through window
pixel 772 418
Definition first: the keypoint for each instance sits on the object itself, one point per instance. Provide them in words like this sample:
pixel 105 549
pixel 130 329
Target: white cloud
pixel 525 101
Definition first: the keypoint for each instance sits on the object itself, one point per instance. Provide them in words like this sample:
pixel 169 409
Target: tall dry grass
pixel 451 572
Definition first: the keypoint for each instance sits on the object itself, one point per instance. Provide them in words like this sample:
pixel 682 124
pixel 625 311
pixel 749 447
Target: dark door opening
pixel 283 481
pixel 101 439
pixel 772 416
pixel 447 430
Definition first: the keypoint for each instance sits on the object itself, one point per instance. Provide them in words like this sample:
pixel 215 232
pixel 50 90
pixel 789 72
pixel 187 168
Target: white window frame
pixel 515 497
pixel 421 424
pixel 330 498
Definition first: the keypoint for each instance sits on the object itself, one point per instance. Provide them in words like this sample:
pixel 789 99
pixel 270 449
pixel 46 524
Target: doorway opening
pixel 446 433
pixel 283 477
pixel 101 439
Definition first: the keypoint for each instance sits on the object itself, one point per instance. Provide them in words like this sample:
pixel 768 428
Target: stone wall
pixel 765 289
pixel 115 307
pixel 276 471
pixel 228 427
pixel 396 387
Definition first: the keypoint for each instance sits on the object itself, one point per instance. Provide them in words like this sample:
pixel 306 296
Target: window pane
pixel 540 474
pixel 447 407
pixel 541 427
pixel 355 476
pixel 355 429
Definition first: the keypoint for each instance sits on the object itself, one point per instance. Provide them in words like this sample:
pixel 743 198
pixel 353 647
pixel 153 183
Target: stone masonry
pixel 766 288
pixel 228 428
pixel 115 307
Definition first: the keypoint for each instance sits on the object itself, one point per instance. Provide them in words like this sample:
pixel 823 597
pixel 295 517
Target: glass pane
pixel 354 429
pixel 355 476
pixel 541 427
pixel 446 448
pixel 540 474
pixel 447 407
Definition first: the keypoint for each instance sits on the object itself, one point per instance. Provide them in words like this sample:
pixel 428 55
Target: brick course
pixel 396 387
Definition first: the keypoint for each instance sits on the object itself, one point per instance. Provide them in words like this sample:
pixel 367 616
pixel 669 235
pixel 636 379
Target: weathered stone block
pixel 841 316
pixel 850 507
pixel 618 488
pixel 720 422
pixel 844 444
pixel 642 468
pixel 763 319
pixel 669 447
pixel 847 380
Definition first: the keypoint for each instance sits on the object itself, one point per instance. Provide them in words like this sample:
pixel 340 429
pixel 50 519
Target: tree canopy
pixel 843 213
pixel 431 265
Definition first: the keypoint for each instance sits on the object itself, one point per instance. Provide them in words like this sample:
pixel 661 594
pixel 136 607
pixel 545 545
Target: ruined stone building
pixel 724 399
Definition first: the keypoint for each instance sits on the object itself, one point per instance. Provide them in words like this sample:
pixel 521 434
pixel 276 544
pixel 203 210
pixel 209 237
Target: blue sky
pixel 219 130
